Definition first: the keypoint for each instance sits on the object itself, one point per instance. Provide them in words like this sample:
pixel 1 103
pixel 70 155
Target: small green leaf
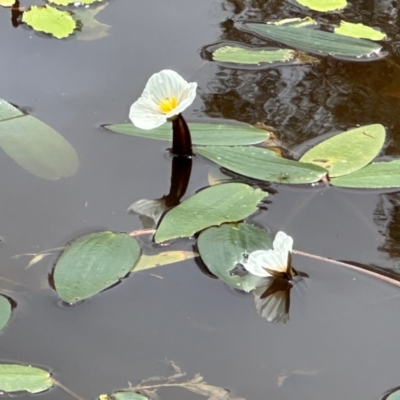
pixel 50 20
pixel 67 2
pixel 123 396
pixel 348 151
pixel 242 55
pixel 7 3
pixel 316 42
pixel 93 263
pixel 212 206
pixel 258 163
pixel 37 147
pixel 5 311
pixel 222 248
pixel 323 5
pixel 202 133
pixel 377 175
pixel 394 396
pixel 359 31
pixel 15 378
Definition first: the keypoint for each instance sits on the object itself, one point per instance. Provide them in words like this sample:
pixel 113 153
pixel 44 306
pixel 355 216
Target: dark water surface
pixel 342 338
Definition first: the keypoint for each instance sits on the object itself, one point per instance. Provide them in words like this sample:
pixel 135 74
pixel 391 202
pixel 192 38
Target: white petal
pixel 254 264
pixel 145 115
pixel 283 242
pixel 275 260
pixel 185 101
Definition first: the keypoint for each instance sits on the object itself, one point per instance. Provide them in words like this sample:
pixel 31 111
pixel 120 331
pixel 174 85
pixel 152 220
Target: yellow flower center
pixel 167 105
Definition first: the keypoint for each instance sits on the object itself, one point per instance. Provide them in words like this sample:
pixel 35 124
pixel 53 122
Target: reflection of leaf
pixel 91 28
pixel 323 5
pixel 348 151
pixel 50 20
pixel 93 263
pixel 359 31
pixel 222 248
pixel 212 206
pixel 164 258
pixel 5 311
pixel 15 378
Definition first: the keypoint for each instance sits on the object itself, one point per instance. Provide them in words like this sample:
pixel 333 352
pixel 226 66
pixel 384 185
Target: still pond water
pixel 342 338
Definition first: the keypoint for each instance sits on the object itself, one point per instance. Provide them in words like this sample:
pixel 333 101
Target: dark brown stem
pixel 181 140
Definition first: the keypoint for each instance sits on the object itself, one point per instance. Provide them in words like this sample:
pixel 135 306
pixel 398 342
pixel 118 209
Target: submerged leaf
pixel 212 206
pixel 222 248
pixel 15 378
pixel 93 263
pixel 91 28
pixel 377 175
pixel 323 5
pixel 348 151
pixel 314 41
pixel 164 258
pixel 202 133
pixel 50 20
pixel 359 31
pixel 5 311
pixel 258 163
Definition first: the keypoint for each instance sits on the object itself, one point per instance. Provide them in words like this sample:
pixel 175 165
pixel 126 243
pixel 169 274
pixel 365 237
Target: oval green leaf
pixel 50 20
pixel 37 147
pixel 323 5
pixel 359 31
pixel 93 263
pixel 393 396
pixel 348 151
pixel 377 175
pixel 202 134
pixel 5 311
pixel 222 248
pixel 15 378
pixel 316 42
pixel 212 206
pixel 258 163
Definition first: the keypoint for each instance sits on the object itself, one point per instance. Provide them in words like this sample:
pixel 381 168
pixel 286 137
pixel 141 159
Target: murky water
pixel 342 337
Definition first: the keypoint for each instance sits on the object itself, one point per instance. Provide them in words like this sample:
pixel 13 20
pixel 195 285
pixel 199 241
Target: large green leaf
pixel 212 206
pixel 258 163
pixel 93 263
pixel 349 151
pixel 15 378
pixel 323 5
pixel 394 396
pixel 374 176
pixel 50 20
pixel 359 31
pixel 222 248
pixel 202 133
pixel 317 42
pixel 5 311
pixel 35 146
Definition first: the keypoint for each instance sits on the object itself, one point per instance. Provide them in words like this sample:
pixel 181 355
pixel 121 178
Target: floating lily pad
pixel 6 3
pixel 359 31
pixel 393 396
pixel 202 133
pixel 258 163
pixel 222 248
pixel 212 206
pixel 349 151
pixel 123 396
pixel 5 311
pixel 93 263
pixel 323 5
pixel 35 146
pixel 316 42
pixel 377 175
pixel 50 20
pixel 16 378
pixel 67 2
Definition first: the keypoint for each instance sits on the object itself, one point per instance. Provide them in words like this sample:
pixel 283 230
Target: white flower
pixel 166 95
pixel 265 263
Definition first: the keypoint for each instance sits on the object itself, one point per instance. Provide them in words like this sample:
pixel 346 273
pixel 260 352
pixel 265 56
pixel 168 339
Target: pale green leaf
pixel 91 28
pixel 377 175
pixel 222 248
pixel 348 151
pixel 242 55
pixel 212 206
pixel 359 31
pixel 15 378
pixel 68 2
pixel 262 164
pixel 394 396
pixel 50 20
pixel 323 5
pixel 163 258
pixel 202 133
pixel 8 111
pixel 37 147
pixel 5 311
pixel 93 263
pixel 314 41
pixel 6 3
